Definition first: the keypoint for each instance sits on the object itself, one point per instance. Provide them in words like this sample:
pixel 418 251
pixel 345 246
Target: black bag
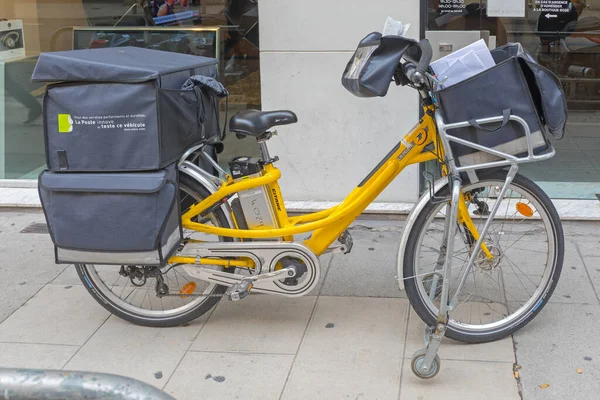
pixel 502 90
pixel 124 109
pixel 545 87
pixel 370 71
pixel 112 218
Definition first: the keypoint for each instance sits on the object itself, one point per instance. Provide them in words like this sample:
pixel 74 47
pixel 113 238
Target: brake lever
pixel 436 80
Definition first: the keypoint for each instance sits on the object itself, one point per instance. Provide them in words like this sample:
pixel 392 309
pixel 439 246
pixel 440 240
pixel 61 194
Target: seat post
pixel 262 142
pixel 264 150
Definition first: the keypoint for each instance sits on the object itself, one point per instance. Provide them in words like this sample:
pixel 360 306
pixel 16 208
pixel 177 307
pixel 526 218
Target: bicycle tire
pixel 456 331
pixel 106 300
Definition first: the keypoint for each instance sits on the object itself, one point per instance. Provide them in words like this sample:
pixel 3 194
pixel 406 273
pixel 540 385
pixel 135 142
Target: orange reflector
pixel 524 210
pixel 188 288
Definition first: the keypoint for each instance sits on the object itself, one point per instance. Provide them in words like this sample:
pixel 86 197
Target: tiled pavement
pixel 353 339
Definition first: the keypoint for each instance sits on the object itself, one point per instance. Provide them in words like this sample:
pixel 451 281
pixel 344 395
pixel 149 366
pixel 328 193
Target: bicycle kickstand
pixel 426 362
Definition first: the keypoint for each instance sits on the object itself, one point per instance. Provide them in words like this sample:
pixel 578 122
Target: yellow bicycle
pixel 480 256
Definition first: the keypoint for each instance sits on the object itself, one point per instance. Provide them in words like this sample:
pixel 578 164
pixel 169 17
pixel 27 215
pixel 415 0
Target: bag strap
pixel 226 111
pixel 63 163
pixel 506 114
pixel 201 111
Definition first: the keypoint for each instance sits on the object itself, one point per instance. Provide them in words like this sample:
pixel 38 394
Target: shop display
pixel 12 42
pixel 199 41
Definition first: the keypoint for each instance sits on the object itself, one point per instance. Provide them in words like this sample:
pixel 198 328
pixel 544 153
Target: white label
pixel 551 8
pixel 125 123
pixel 506 8
pixel 452 6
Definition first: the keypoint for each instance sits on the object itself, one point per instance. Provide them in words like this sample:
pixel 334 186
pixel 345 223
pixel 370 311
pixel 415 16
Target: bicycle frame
pixel 326 226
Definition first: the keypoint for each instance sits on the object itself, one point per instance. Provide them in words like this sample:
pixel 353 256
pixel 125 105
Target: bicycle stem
pixel 509 178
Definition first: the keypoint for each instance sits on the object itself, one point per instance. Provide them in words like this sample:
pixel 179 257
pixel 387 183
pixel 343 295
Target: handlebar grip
pixel 409 70
pixel 413 74
pixel 426 56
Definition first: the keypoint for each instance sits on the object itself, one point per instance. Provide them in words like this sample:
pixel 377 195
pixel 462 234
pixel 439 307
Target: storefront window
pixel 224 29
pixel 563 35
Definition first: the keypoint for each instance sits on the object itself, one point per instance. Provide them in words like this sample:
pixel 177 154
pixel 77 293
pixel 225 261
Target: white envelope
pixel 462 69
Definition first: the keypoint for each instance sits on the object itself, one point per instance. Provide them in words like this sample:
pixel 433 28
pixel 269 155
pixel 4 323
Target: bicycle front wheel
pixel 501 295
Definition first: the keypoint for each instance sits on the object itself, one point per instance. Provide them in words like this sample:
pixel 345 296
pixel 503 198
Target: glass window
pixel 225 29
pixel 564 36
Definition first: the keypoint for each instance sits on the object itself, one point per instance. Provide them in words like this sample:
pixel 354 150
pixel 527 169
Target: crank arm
pixel 289 272
pixel 242 289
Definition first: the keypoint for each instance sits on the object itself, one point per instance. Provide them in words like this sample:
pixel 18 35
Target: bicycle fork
pixel 433 337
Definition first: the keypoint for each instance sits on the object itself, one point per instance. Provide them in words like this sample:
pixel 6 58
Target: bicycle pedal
pixel 346 240
pixel 239 290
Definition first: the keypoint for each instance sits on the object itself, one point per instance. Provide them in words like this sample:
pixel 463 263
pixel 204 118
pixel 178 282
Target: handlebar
pixel 426 56
pixel 418 58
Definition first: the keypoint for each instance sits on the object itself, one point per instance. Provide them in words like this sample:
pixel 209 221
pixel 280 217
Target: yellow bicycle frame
pixel 326 226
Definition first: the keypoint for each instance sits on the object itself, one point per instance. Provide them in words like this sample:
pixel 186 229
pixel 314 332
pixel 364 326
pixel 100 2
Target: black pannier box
pixel 123 109
pixel 130 218
pixel 517 85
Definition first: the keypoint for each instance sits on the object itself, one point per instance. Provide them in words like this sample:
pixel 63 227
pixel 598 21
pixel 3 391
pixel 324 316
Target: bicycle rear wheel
pixel 137 300
pixel 500 296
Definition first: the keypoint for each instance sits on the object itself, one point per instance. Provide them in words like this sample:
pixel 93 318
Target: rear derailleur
pixel 139 275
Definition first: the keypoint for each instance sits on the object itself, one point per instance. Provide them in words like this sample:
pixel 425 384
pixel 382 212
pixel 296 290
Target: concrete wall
pixel 305 46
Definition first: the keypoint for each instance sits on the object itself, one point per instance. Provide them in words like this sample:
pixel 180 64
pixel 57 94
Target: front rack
pixel 509 159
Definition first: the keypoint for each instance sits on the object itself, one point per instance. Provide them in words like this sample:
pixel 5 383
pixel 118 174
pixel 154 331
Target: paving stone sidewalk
pixel 353 339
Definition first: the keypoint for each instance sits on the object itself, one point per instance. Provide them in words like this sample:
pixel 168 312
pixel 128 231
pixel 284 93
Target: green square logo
pixel 65 123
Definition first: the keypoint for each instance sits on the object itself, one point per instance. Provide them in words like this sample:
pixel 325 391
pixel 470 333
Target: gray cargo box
pixel 112 218
pixel 123 109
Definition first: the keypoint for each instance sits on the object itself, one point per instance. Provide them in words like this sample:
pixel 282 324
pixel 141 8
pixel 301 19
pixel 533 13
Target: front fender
pixel 410 221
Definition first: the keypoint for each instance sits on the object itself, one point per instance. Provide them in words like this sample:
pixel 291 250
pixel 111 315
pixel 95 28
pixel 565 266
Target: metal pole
pixel 39 384
pixel 509 178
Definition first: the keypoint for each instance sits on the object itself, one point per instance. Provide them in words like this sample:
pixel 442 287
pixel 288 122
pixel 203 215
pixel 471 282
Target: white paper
pixel 462 69
pixel 463 64
pixel 479 48
pixel 506 8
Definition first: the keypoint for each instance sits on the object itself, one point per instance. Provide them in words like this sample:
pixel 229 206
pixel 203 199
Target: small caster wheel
pixel 417 365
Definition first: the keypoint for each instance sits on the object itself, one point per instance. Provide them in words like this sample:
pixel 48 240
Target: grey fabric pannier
pixel 545 87
pixel 499 91
pixel 123 109
pixel 112 218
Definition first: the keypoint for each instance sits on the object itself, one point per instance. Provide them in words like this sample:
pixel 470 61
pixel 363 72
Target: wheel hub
pixel 486 265
pixel 418 365
pixel 300 270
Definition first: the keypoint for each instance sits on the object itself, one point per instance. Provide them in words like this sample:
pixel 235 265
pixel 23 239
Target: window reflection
pixel 48 26
pixel 565 38
pixel 469 15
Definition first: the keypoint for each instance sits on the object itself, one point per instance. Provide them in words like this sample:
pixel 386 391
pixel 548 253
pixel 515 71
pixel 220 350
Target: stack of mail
pixel 463 64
